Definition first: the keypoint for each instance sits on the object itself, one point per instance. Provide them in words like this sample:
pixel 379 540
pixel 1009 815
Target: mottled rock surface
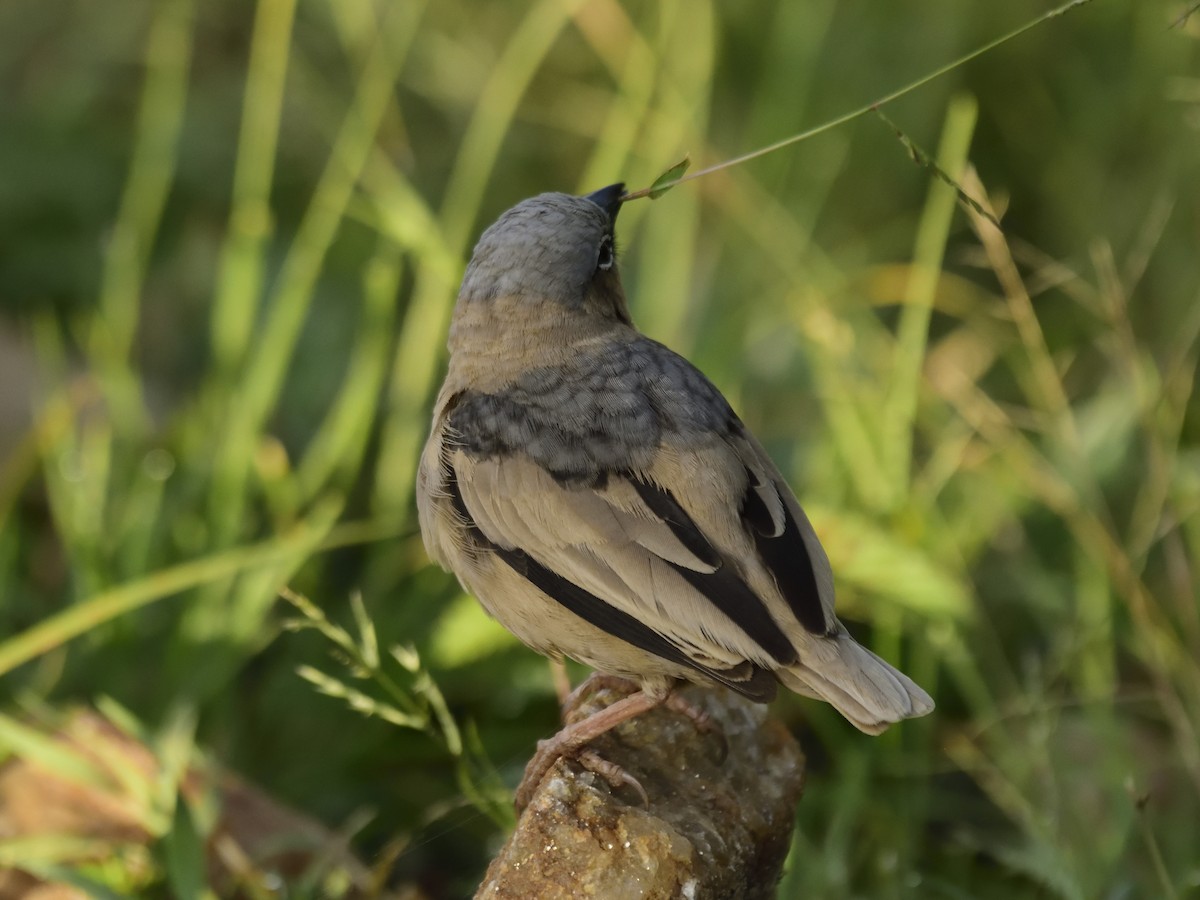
pixel 713 829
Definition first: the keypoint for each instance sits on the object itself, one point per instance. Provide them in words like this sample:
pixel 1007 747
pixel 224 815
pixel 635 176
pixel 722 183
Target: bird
pixel 602 500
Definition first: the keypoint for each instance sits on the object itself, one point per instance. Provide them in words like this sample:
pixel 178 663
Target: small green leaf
pixel 669 178
pixel 368 643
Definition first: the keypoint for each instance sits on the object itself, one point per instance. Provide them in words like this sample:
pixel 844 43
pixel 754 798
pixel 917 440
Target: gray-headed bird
pixel 603 501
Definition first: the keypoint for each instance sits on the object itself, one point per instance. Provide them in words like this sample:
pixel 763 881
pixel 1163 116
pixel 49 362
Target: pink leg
pixel 572 737
pixel 562 684
pixel 597 681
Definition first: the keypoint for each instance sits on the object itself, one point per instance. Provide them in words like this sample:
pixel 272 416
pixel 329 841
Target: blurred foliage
pixel 230 239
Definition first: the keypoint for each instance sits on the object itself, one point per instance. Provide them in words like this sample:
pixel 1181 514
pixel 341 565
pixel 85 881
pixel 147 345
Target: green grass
pixel 230 241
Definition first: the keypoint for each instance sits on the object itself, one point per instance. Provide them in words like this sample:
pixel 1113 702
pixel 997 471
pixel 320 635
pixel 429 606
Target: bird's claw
pixel 616 776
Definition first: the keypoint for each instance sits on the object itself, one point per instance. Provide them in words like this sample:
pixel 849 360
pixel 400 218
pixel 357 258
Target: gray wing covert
pixel 607 412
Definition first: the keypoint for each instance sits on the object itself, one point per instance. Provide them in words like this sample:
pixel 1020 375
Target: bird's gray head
pixel 555 247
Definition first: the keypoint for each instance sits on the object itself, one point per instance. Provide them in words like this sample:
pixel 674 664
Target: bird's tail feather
pixel 869 692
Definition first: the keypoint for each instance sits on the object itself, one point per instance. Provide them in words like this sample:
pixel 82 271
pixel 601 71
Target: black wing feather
pixel 751 681
pixel 724 588
pixel 786 558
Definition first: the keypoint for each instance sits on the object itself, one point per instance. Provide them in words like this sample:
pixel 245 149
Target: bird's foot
pixel 575 735
pixel 616 776
pixel 571 739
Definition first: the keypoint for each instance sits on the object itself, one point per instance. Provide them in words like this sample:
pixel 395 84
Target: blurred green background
pixel 230 239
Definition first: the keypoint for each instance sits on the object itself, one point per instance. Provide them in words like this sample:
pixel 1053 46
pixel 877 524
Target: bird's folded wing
pixel 629 544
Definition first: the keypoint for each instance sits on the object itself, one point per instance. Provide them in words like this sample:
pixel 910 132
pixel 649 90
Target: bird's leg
pixel 597 681
pixel 573 737
pixel 562 684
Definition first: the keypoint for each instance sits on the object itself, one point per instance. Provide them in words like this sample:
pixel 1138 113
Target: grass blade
pixel 900 410
pixel 104 607
pixel 151 173
pixel 243 255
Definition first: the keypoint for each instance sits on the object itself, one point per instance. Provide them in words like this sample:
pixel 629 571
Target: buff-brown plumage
pixel 603 501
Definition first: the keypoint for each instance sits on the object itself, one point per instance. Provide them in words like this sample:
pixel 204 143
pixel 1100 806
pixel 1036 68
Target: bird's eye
pixel 605 255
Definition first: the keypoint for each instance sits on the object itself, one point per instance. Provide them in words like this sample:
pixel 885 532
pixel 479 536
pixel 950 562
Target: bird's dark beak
pixel 609 199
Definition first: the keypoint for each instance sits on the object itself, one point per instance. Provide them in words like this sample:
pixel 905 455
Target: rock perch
pixel 714 828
